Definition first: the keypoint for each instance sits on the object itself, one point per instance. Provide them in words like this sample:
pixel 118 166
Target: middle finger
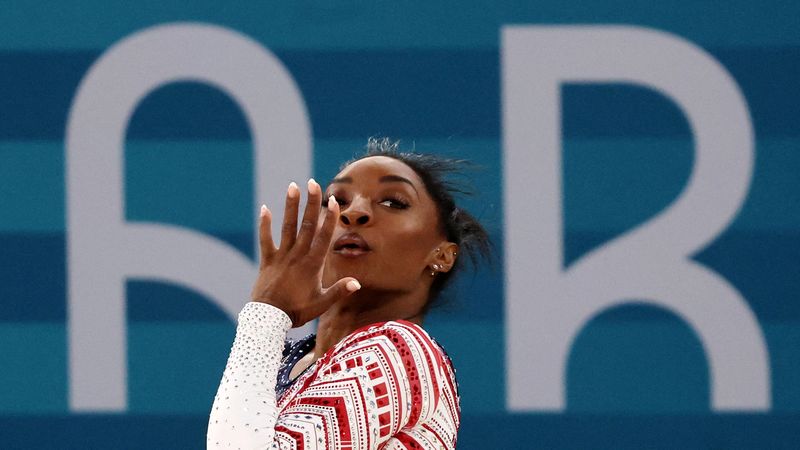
pixel 308 226
pixel 289 227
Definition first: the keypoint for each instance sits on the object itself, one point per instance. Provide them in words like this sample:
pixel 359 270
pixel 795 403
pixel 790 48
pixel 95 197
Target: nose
pixel 357 212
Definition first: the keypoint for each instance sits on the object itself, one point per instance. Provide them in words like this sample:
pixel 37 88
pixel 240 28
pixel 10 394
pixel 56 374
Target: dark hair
pixel 456 223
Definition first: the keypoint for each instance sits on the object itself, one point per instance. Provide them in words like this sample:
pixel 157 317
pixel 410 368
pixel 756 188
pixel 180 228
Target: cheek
pixel 408 244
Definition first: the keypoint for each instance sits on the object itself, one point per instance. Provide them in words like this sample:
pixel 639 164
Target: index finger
pixel 265 242
pixel 308 226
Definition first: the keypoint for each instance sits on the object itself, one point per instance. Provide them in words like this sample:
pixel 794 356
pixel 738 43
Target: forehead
pixel 373 167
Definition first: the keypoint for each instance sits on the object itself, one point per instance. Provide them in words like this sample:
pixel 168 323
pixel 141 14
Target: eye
pixel 339 200
pixel 394 202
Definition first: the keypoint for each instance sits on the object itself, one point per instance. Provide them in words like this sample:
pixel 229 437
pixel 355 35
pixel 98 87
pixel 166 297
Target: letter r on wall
pixel 546 305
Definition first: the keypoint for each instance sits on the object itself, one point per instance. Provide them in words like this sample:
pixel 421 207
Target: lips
pixel 351 244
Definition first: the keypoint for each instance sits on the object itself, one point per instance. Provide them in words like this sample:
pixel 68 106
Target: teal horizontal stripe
pixel 419 93
pixel 32 180
pixel 385 24
pixel 611 185
pixel 762 267
pixel 614 367
pixel 33 379
pixel 631 431
pixel 478 431
pixel 104 431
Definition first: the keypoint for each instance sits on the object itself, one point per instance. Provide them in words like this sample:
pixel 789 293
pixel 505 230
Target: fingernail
pixel 311 184
pixel 263 210
pixel 331 201
pixel 353 285
pixel 293 190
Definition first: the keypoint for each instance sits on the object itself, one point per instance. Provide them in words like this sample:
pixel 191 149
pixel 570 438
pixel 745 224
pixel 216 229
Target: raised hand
pixel 290 277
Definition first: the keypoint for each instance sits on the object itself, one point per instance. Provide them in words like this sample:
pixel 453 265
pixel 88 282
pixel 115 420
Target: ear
pixel 443 256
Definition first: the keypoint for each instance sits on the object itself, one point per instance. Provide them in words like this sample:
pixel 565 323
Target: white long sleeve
pixel 244 413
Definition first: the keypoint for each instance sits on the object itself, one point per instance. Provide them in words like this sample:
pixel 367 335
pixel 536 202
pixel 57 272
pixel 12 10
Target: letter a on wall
pixel 103 249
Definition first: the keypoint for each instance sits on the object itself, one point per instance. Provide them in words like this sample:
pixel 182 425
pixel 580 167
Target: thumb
pixel 340 290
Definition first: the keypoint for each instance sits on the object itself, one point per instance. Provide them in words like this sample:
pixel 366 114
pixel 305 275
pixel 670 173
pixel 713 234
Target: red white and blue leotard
pixel 384 386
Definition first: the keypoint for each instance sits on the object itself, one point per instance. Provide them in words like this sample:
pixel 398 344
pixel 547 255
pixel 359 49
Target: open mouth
pixel 351 244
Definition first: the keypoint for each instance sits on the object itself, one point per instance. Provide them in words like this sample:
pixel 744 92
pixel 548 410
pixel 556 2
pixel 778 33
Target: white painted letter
pixel 103 250
pixel 547 306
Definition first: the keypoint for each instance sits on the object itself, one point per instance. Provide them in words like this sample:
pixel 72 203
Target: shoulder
pixel 402 336
pixel 394 346
pixel 401 362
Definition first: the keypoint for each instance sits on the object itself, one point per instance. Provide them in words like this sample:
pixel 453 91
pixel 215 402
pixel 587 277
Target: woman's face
pixel 388 229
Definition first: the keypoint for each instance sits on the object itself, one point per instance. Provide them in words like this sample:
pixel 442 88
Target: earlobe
pixel 444 256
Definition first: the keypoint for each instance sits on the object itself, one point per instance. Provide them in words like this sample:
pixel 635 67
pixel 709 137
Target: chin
pixel 335 272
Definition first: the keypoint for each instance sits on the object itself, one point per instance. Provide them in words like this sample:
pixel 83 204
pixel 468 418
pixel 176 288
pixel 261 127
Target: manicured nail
pixel 263 210
pixel 353 285
pixel 293 190
pixel 311 184
pixel 331 201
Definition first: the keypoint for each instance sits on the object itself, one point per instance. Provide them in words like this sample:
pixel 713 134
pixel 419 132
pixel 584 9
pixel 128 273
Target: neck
pixel 363 308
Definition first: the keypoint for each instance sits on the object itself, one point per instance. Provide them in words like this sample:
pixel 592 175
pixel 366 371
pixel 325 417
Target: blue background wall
pixel 430 76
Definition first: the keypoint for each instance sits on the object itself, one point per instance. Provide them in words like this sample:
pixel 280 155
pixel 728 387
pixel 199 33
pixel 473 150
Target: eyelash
pixel 396 202
pixel 400 204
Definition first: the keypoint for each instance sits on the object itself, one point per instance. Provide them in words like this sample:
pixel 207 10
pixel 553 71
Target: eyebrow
pixel 383 179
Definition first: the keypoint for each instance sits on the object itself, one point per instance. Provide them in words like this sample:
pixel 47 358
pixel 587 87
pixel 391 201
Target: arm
pixel 243 414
